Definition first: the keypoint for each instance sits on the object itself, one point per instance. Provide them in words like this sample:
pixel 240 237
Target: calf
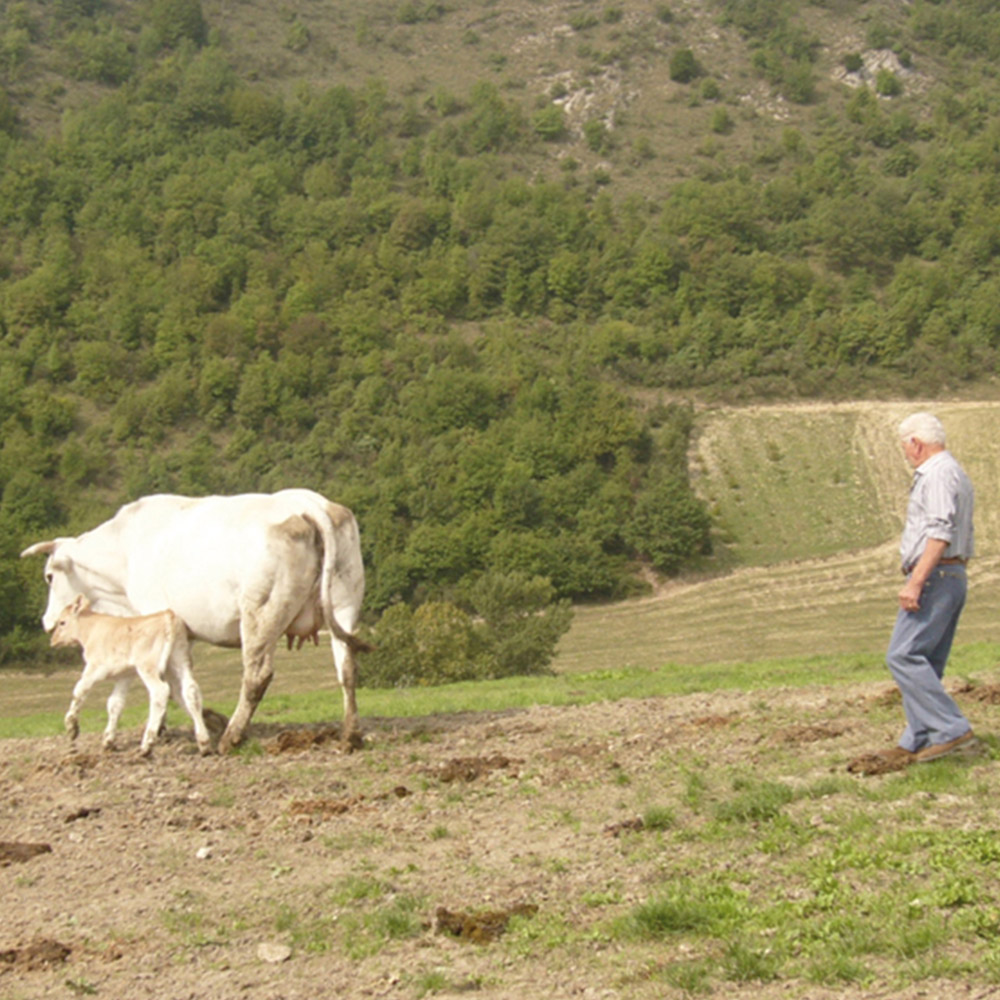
pixel 155 646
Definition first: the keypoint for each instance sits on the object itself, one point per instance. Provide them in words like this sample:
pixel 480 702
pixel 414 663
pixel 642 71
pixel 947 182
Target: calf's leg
pixel 159 695
pixel 80 691
pixel 116 702
pixel 186 691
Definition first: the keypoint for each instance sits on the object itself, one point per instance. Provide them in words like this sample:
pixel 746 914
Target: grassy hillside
pixel 805 481
pixel 598 62
pixel 810 500
pixel 430 260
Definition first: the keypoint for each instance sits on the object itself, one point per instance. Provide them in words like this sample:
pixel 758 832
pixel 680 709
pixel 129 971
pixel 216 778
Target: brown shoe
pixel 937 750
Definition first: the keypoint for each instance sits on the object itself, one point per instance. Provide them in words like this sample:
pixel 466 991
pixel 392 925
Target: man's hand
pixel 909 596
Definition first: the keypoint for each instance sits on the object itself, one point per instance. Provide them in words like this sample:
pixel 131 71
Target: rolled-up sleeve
pixel 940 504
pixel 941 507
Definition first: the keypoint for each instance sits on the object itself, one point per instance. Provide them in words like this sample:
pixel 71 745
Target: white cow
pixel 238 571
pixel 154 646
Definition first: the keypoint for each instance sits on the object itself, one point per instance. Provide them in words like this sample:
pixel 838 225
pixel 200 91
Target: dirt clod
pixel 82 813
pixel 808 734
pixel 471 768
pixel 291 740
pixel 625 826
pixel 987 694
pixel 12 852
pixel 877 763
pixel 480 927
pixel 325 808
pixel 40 953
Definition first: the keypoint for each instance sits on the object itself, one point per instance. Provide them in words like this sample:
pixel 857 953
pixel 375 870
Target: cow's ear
pixel 39 548
pixel 80 604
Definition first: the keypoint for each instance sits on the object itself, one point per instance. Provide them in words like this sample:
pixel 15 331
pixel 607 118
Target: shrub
pixel 522 623
pixel 721 122
pixel 583 20
pixel 297 37
pixel 887 83
pixel 595 134
pixel 508 625
pixel 853 62
pixel 683 66
pixel 710 90
pixel 798 82
pixel 432 645
pixel 549 123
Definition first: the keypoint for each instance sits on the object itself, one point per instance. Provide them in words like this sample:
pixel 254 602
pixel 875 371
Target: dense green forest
pixel 450 307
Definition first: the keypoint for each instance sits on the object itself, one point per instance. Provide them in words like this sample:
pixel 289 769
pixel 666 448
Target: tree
pixel 177 20
pixel 522 623
pixel 669 525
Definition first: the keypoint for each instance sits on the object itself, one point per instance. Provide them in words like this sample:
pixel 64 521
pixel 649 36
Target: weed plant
pixel 880 880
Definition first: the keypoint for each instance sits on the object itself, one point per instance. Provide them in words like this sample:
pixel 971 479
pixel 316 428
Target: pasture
pixel 669 815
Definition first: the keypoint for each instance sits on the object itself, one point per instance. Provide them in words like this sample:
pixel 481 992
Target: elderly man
pixel 937 543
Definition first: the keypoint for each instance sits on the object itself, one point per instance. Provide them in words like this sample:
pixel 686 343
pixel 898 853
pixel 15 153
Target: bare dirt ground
pixel 455 854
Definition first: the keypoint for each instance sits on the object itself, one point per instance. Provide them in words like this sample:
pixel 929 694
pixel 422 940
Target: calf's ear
pixel 38 548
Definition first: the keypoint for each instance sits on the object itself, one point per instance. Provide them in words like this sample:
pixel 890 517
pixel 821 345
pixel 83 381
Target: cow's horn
pixel 34 550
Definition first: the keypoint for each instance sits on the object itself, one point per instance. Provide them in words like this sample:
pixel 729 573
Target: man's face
pixel 914 451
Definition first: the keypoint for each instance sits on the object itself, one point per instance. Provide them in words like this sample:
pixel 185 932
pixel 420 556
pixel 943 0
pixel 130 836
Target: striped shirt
pixel 941 500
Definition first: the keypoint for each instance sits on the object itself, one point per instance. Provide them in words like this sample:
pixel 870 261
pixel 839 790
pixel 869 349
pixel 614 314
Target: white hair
pixel 924 427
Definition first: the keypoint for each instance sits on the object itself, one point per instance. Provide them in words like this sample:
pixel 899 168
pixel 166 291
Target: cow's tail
pixel 324 523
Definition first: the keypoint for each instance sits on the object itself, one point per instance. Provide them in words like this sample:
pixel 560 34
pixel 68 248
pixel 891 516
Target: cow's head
pixel 60 575
pixel 65 632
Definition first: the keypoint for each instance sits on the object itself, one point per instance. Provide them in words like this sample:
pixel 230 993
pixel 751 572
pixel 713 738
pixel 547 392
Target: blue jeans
pixel 918 652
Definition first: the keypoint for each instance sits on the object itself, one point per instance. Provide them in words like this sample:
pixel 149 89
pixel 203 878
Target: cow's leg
pixel 159 695
pixel 116 702
pixel 259 636
pixel 347 672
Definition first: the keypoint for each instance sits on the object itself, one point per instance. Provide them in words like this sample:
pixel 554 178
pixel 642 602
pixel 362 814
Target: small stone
pixel 204 853
pixel 274 953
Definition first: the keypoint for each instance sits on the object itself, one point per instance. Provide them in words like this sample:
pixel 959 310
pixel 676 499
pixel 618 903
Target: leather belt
pixel 950 561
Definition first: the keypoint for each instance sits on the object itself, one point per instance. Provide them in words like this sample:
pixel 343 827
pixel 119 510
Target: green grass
pixel 480 696
pixel 314 705
pixel 873 893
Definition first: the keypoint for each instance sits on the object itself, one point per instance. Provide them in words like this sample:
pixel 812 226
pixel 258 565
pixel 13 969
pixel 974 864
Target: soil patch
pixel 309 871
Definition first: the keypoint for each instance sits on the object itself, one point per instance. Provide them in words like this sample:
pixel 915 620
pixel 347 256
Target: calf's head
pixel 66 631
